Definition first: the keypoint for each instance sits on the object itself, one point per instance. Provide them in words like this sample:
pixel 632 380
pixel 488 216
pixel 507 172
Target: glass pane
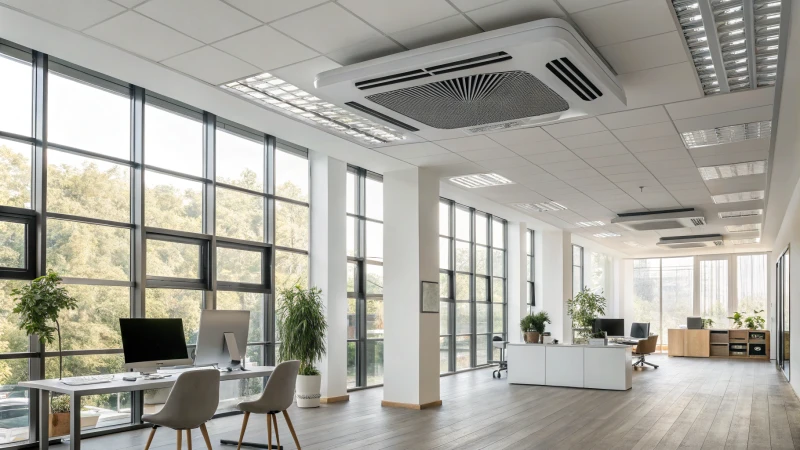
pixel 351 319
pixel 95 324
pixel 12 339
pixel 462 287
pixel 481 260
pixel 232 392
pixel 374 362
pixel 351 192
pixel 752 283
pixel 444 318
pixel 713 290
pixel 15 170
pixel 245 301
pixel 291 176
pixel 481 229
pixel 463 348
pixel 374 279
pixel 444 219
pixel 173 141
pixel 351 365
pixel 463 324
pixel 176 304
pixel 498 263
pixel 240 161
pixel 444 253
pixel 14 418
pixel 576 280
pixel 462 224
pixel 240 266
pixel 646 301
pixel 351 277
pixel 374 241
pixel 444 354
pixel 12 245
pixel 173 203
pixel 482 318
pixel 498 290
pixel 290 269
pixel 497 318
pixel 351 236
pixel 498 234
pixel 374 200
pixel 88 187
pixel 240 215
pixel 87 117
pixel 16 90
pixel 83 250
pixel 677 295
pixel 173 259
pixel 462 256
pixel 481 289
pixel 444 285
pixel 530 269
pixel 577 257
pixel 529 242
pixel 374 318
pixel 481 349
pixel 291 225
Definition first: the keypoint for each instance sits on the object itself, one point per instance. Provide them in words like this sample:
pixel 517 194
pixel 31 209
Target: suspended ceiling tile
pixel 553 157
pixel 634 117
pixel 650 131
pixel 470 143
pixel 574 128
pixel 417 150
pixel 715 104
pixel 269 10
pixel 659 143
pixel 602 150
pixel 211 65
pixel 646 53
pixel 204 20
pixel 504 163
pixel 660 85
pixel 514 12
pixel 326 28
pixel 520 137
pixel 614 160
pixel 443 30
pixel 266 48
pixel 749 115
pixel 589 140
pixel 623 168
pixel 537 148
pixel 76 14
pixel 625 21
pixel 490 153
pixel 365 50
pixel 391 16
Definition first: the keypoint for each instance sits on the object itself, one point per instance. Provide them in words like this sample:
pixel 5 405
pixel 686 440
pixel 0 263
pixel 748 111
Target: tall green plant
pixel 584 308
pixel 302 326
pixel 39 304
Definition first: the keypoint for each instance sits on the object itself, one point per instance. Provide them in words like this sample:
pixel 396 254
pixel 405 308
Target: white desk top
pixel 610 345
pixel 119 385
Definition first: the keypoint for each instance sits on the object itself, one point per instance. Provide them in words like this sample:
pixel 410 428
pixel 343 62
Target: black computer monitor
pixel 148 344
pixel 612 327
pixel 640 330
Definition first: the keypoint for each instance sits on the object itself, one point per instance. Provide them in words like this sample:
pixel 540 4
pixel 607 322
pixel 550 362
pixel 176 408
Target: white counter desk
pixel 581 366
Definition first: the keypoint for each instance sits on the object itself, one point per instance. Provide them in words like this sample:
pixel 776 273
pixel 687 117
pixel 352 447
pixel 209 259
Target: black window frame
pixel 26 217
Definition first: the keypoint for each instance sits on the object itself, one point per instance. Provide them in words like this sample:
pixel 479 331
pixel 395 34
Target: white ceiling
pixel 625 161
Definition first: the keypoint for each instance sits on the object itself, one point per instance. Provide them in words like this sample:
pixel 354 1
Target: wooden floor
pixel 686 403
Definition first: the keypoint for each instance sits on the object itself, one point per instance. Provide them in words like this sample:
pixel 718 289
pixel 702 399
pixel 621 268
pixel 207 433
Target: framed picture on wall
pixel 429 297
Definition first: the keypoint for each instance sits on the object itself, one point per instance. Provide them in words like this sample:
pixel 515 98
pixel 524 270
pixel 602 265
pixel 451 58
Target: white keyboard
pixel 91 379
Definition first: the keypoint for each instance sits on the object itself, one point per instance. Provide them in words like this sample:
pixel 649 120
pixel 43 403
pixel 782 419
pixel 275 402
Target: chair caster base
pixel 250 444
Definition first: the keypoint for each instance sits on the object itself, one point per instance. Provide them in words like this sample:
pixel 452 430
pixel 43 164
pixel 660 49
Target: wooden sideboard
pixel 741 343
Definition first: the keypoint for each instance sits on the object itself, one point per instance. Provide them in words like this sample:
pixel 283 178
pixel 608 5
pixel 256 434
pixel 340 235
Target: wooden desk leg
pixel 44 420
pixel 75 422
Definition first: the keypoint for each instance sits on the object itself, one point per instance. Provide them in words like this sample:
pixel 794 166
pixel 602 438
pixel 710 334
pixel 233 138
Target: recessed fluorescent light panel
pixel 733 43
pixel 595 223
pixel 727 135
pixel 733 170
pixel 274 93
pixel 606 235
pixel 745 241
pixel 480 180
pixel 633 244
pixel 743 228
pixel 540 207
pixel 742 213
pixel 738 197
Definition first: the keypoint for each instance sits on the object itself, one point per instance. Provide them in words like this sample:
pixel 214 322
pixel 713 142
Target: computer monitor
pixel 222 339
pixel 148 344
pixel 612 327
pixel 694 323
pixel 640 330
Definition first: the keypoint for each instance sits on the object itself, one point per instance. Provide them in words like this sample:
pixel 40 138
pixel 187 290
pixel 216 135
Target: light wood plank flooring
pixel 686 403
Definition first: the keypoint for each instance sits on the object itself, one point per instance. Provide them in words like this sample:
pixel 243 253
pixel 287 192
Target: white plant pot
pixel 598 342
pixel 308 391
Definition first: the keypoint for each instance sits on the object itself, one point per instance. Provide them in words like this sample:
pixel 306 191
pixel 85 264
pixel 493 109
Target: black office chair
pixel 502 364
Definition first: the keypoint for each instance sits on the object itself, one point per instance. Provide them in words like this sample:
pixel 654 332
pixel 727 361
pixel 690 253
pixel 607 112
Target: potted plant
pixel 583 309
pixel 533 326
pixel 38 305
pixel 708 323
pixel 59 416
pixel 598 338
pixel 737 319
pixel 755 322
pixel 302 326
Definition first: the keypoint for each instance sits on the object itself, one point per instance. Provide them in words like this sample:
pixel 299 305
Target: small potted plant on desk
pixel 598 338
pixel 533 326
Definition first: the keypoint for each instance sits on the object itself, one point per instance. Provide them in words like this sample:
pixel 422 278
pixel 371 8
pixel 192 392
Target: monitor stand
pixel 237 362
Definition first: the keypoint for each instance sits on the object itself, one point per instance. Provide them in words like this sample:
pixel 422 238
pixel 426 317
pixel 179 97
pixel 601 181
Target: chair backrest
pixel 647 346
pixel 278 394
pixel 193 399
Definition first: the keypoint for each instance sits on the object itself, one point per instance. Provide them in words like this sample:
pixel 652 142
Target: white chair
pixel 277 397
pixel 192 402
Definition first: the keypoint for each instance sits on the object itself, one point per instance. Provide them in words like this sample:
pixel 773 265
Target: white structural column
pixel 411 255
pixel 329 268
pixel 556 263
pixel 517 278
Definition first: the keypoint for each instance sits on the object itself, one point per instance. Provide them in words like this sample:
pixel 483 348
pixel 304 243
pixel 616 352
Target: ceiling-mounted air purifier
pixel 695 241
pixel 667 219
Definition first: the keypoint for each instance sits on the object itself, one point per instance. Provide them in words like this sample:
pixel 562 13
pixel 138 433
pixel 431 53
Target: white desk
pixel 117 385
pixel 580 366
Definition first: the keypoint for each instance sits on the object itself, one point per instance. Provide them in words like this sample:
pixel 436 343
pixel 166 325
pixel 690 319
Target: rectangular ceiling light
pixel 540 207
pixel 738 197
pixel 727 135
pixel 733 43
pixel 742 213
pixel 594 223
pixel 480 180
pixel 743 228
pixel 633 244
pixel 745 241
pixel 606 235
pixel 276 94
pixel 733 170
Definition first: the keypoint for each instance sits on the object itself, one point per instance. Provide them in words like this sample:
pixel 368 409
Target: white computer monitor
pixel 148 344
pixel 222 339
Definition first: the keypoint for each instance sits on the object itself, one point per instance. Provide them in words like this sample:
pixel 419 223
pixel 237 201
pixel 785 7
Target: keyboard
pixel 91 379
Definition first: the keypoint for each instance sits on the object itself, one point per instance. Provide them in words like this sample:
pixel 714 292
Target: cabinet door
pixel 698 343
pixel 676 342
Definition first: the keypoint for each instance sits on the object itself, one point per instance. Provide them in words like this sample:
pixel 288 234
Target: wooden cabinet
pixel 698 343
pixel 676 345
pixel 741 343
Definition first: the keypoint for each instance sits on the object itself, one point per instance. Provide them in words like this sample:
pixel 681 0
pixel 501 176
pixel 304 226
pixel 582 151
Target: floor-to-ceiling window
pixel 472 261
pixel 577 269
pixel 530 271
pixel 713 289
pixel 148 208
pixel 364 278
pixel 783 312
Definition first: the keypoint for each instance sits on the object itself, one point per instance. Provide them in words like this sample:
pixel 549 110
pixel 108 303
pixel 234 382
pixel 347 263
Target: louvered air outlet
pixel 698 221
pixel 574 79
pixel 374 113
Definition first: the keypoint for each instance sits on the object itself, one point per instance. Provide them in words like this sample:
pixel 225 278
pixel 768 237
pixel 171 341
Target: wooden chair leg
pixel 275 422
pixel 189 439
pixel 150 439
pixel 180 439
pixel 269 432
pixel 205 436
pixel 291 429
pixel 244 427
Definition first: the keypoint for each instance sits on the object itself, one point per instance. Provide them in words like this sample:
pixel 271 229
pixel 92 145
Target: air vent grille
pixel 381 116
pixel 574 79
pixel 698 222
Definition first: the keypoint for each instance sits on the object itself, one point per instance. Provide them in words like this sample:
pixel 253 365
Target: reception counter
pixel 580 366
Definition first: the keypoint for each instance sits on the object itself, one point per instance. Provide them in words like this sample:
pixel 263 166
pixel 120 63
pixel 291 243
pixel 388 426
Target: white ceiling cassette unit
pixel 668 219
pixel 696 241
pixel 533 73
